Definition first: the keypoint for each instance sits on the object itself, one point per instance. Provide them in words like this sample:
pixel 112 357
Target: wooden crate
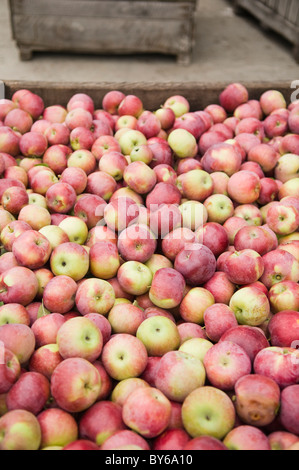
pixel 152 95
pixel 104 26
pixel 282 16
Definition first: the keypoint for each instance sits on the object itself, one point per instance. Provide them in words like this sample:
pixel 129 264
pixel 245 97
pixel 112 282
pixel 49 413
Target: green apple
pixel 159 335
pixel 55 235
pixel 197 347
pixel 75 228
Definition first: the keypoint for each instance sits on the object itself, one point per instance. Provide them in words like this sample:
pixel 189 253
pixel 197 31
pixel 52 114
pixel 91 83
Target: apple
pixel 104 260
pixel 119 356
pixel 279 266
pixel 31 393
pixel 171 439
pixel 195 185
pixel 9 141
pixel 282 440
pixel 124 388
pixel 234 95
pixel 94 296
pixel 176 240
pixel 214 236
pixel 178 104
pixel 16 172
pixel 101 183
pixel 280 364
pixel 250 338
pixel 61 197
pixel 45 359
pixel 222 157
pixel 196 347
pixel 7 261
pixel 196 263
pixel 182 143
pixel 208 411
pixel 289 409
pixel 149 124
pixel 244 187
pixel 218 318
pixel 257 400
pixel 162 194
pixel 253 238
pixel 173 366
pixel 124 440
pixel 205 443
pixel 90 208
pixel 272 100
pixel 134 277
pixel 83 159
pixel 187 164
pixel 220 287
pixel 265 155
pixel 164 219
pixel 55 235
pixel 20 430
pixel 250 213
pixel 162 153
pixel 45 328
pixel 162 292
pixel 246 437
pixel 251 306
pixel 147 411
pixel 194 304
pixel 113 163
pixel 283 328
pixel 18 284
pixel 159 335
pixel 32 249
pixel 19 339
pixel 10 370
pixel 244 267
pixel 100 233
pixel 284 296
pixel 289 188
pixel 14 313
pixel 75 228
pixel 217 112
pixel 158 261
pixel 5 218
pixel 121 212
pixel 140 177
pixel 287 167
pixel 30 102
pixel 126 318
pixel 52 435
pixel 40 181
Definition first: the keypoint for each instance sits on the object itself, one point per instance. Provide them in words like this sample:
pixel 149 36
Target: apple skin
pixel 220 287
pixel 246 437
pixel 137 243
pixel 126 318
pixel 214 236
pixel 178 103
pixel 67 384
pixel 70 259
pixel 7 261
pixel 282 440
pixel 244 267
pixel 14 199
pixel 90 208
pixel 280 364
pixel 194 304
pixel 126 437
pixel 283 328
pixel 104 260
pixel 272 100
pixel 253 238
pixel 250 213
pixel 265 155
pixel 162 193
pixel 45 328
pixel 45 359
pixel 119 356
pixel 251 306
pixel 196 263
pixel 162 291
pixel 195 185
pixel 33 144
pixel 14 313
pixel 257 400
pixel 218 318
pixel 222 157
pixel 31 393
pixel 20 430
pixel 175 241
pixel 11 231
pixel 32 249
pixel 94 296
pixel 234 95
pixel 147 411
pixel 173 366
pixel 159 335
pixel 250 338
pixel 9 141
pixel 125 387
pixel 171 439
pixel 205 443
pixel 284 296
pixel 30 102
pixel 18 284
pixel 134 277
pixel 289 409
pixel 279 266
pixel 244 187
pixel 52 435
pixel 208 411
pixel 10 370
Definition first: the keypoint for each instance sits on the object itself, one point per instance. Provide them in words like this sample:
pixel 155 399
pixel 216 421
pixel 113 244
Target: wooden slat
pixel 152 94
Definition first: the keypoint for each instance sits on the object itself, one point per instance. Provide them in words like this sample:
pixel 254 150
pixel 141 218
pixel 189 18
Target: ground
pixel 227 48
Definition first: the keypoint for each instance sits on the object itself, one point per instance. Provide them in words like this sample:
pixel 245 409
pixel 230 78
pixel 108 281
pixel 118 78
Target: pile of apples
pixel 149 273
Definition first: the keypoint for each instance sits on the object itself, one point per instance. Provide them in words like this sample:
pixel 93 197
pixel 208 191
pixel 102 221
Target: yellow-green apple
pixel 18 285
pixel 194 304
pixel 75 384
pixel 32 249
pixel 52 435
pixel 195 185
pixel 130 139
pixel 182 143
pixel 75 228
pixel 36 216
pixel 208 411
pixel 251 306
pixel 289 409
pixel 173 366
pixel 282 440
pixel 10 370
pixel 147 411
pixel 45 328
pixel 125 318
pixel 178 103
pixel 137 243
pixel 124 356
pixel 257 400
pixel 279 266
pixel 70 259
pixel 283 328
pixel 104 260
pixel 171 439
pixel 218 318
pixel 194 214
pixel 30 392
pixel 222 157
pixel 134 277
pixel 79 337
pixel 225 363
pixel 90 208
pixel 158 261
pixel 20 430
pixel 37 199
pixel 45 359
pixel 125 440
pixel 9 141
pixel 125 122
pixel 205 443
pixel 125 387
pixel 59 294
pixel 234 95
pixel 159 335
pixel 100 421
pixel 176 240
pixel 265 155
pixel 83 159
pixel 272 100
pixel 250 338
pixel 14 313
pixel 246 437
pixel 197 347
pixel 284 296
pixel 250 213
pixel 13 199
pixel 61 197
pixel 220 287
pixel 55 235
pixel 244 187
pixel 279 363
pixel 142 153
pixel 140 177
pixel 196 263
pixel 167 288
pixel 244 267
pixel 214 236
pixel 94 296
pixel 19 339
pixel 114 163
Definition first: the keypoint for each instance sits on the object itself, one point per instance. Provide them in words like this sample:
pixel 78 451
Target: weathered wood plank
pixel 152 94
